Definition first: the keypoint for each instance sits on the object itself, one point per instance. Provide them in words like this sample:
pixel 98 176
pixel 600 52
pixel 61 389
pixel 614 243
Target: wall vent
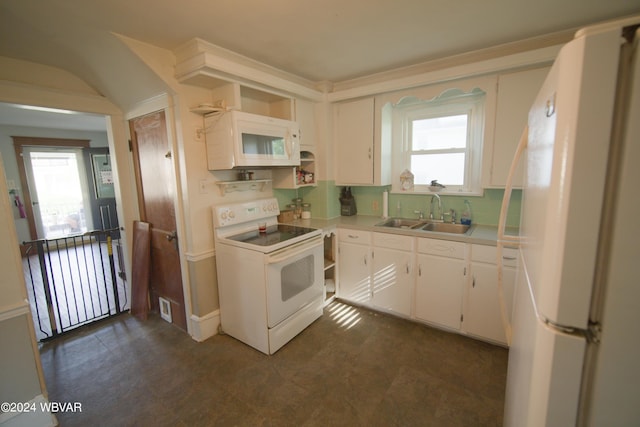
pixel 165 309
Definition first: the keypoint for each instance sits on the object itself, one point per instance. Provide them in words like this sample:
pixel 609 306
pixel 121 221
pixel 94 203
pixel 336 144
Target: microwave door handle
pixel 286 253
pixel 289 144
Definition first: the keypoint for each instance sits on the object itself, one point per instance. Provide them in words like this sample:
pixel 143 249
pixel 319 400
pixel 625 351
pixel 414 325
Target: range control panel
pixel 238 213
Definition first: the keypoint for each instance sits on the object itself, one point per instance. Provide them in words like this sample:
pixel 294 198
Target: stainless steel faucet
pixel 439 207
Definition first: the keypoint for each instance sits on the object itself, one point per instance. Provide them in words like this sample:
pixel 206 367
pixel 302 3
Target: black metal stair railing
pixel 72 281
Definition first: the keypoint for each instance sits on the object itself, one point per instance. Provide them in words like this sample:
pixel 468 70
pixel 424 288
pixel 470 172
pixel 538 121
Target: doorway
pixel 73 263
pixel 59 191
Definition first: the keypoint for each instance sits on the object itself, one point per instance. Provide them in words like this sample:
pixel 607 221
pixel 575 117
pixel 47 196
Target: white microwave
pixel 239 139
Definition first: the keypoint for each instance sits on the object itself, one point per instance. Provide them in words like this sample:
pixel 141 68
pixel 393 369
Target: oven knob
pixel 232 214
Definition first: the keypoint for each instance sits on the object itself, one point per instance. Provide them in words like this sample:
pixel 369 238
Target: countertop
pixel 480 234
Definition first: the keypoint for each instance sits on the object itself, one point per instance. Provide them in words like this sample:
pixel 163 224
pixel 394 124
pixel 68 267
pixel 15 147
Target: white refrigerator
pixel 574 357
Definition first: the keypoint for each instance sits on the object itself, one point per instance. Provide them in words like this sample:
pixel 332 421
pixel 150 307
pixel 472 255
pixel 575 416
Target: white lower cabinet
pixel 482 313
pixel 392 275
pixel 376 269
pixel 441 269
pixel 448 284
pixel 354 265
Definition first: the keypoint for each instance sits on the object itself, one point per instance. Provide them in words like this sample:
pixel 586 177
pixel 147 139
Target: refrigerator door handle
pixel 512 240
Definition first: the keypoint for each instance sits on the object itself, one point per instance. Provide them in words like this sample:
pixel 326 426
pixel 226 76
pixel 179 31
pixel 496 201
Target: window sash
pixel 442 112
pixel 469 104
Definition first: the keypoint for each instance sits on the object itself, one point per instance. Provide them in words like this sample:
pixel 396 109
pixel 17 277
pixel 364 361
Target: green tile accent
pixel 323 199
pixel 325 204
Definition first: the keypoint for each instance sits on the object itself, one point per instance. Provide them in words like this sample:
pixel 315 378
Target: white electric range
pixel 270 282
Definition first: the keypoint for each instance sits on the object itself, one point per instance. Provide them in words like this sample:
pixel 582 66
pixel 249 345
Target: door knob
pixel 173 236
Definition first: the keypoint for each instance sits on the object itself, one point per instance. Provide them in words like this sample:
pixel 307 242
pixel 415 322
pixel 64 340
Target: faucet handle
pixel 420 214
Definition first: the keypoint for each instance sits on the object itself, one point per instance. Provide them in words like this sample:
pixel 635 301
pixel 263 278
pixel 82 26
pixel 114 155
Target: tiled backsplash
pixel 325 204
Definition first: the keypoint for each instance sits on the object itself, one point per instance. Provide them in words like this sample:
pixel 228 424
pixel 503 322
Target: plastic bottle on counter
pixel 465 218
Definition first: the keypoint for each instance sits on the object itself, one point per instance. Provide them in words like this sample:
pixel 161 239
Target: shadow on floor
pixel 352 367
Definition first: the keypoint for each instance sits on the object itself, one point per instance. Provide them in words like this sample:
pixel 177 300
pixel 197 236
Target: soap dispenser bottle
pixel 465 218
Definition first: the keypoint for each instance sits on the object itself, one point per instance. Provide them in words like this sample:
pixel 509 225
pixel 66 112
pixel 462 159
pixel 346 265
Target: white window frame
pixel 448 103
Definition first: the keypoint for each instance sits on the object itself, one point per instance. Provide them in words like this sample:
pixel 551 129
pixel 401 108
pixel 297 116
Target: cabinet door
pixel 392 280
pixel 354 146
pixel 516 93
pixel 439 289
pixel 482 316
pixel 305 116
pixel 354 272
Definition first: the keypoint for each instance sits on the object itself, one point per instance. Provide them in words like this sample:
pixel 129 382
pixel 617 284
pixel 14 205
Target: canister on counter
pixel 306 210
pixel 292 207
pixel 298 207
pixel 286 215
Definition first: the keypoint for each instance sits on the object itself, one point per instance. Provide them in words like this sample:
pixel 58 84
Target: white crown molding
pixel 432 73
pixel 205 64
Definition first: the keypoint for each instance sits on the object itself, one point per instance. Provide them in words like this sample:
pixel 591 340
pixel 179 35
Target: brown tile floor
pixel 370 370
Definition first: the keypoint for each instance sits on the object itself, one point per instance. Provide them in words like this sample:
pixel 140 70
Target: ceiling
pixel 330 40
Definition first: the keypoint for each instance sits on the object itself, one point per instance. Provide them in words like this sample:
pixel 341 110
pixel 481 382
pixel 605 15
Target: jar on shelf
pixel 306 210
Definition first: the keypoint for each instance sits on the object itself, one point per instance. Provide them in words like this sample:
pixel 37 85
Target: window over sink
pixel 440 139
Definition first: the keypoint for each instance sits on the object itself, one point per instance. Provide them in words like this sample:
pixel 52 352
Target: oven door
pixel 295 278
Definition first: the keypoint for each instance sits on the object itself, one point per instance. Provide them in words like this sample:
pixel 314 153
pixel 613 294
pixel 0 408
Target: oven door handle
pixel 291 251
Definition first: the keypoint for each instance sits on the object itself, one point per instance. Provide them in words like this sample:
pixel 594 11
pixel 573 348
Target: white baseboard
pixel 206 326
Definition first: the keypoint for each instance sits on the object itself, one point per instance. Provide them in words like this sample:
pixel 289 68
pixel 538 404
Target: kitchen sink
pixel 401 223
pixel 445 227
pixel 424 225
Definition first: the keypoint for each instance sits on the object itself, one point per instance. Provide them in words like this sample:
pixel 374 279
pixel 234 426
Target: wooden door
pixel 155 179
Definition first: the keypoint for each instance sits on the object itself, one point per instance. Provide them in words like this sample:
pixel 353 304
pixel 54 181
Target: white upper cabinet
pixel 516 93
pixel 362 156
pixel 305 116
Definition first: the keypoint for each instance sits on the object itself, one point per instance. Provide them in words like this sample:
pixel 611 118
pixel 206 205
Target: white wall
pixel 20 372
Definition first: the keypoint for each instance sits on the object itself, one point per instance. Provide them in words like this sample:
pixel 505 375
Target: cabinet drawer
pixel 482 253
pixel 442 247
pixel 354 236
pixel 393 241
